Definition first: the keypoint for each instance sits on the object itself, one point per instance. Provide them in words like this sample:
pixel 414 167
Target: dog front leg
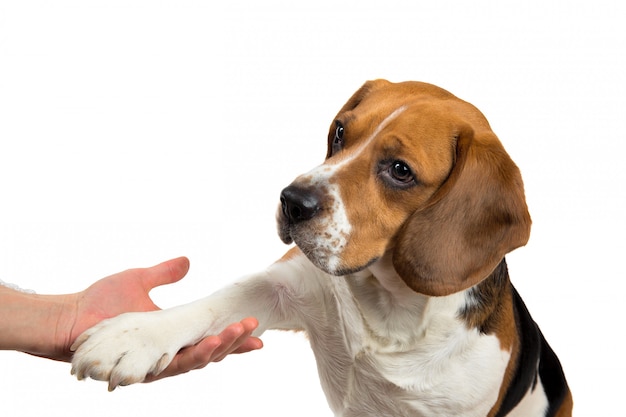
pixel 125 349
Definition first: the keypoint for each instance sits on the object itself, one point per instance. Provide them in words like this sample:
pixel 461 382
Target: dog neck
pixel 397 317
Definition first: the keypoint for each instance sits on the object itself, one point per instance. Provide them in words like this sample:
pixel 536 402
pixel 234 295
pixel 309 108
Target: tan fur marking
pixel 375 134
pixel 290 254
pixel 566 407
pixel 509 341
pixel 506 381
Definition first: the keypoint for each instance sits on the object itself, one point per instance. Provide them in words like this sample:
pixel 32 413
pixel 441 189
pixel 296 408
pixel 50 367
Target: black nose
pixel 299 204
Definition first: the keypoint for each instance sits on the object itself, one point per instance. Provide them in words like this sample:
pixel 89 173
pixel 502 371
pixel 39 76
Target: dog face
pixel 412 170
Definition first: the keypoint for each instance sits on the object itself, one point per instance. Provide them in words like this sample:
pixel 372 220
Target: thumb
pixel 166 272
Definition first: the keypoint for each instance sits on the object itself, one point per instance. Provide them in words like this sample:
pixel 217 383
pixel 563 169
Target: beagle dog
pixel 398 277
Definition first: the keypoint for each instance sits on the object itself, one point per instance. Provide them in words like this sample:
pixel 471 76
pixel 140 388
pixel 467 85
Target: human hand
pixel 128 291
pixel 234 339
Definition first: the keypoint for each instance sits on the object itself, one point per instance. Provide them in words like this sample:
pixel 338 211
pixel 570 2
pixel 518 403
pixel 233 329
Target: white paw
pixel 124 350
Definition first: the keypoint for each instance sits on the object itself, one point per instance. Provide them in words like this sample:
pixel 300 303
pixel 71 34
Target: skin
pixel 48 325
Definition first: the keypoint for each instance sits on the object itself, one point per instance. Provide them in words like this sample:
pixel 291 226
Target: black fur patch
pixel 525 376
pixel 552 377
pixel 536 359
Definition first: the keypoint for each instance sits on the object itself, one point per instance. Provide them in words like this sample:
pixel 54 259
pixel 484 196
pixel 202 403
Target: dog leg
pixel 125 349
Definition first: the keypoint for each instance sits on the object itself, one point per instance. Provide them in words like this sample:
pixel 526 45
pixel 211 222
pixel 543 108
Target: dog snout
pixel 299 204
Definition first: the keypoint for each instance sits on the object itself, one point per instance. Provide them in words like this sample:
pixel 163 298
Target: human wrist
pixel 58 325
pixel 37 324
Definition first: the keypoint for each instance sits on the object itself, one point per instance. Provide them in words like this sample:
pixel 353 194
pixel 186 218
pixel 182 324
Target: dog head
pixel 413 171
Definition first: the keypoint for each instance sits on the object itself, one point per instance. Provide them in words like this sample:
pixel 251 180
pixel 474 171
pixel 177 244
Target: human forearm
pixel 32 323
pixel 48 325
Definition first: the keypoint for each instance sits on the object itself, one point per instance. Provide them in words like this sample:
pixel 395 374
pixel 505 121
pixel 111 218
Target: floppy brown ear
pixel 477 216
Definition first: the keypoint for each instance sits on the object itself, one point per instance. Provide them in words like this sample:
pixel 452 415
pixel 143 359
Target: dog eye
pixel 338 134
pixel 401 172
pixel 398 173
pixel 338 141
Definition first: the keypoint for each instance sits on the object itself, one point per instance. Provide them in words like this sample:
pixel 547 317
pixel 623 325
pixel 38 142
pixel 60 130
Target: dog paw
pixel 123 350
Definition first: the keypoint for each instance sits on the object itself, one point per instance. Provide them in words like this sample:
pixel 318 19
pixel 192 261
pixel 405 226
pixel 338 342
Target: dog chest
pixel 369 366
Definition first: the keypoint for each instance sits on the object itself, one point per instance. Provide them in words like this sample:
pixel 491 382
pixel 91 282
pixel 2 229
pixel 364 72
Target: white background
pixel 133 132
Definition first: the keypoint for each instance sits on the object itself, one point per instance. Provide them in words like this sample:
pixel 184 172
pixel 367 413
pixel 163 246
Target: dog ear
pixel 351 104
pixel 473 220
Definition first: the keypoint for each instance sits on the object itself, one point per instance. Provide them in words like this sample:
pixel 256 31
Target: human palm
pixel 128 291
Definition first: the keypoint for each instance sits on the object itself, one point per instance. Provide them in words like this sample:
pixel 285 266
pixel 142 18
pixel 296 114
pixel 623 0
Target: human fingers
pixel 189 358
pixel 234 339
pixel 237 338
pixel 166 272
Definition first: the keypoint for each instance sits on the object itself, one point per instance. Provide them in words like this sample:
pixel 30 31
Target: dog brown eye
pixel 401 172
pixel 397 174
pixel 338 139
pixel 339 134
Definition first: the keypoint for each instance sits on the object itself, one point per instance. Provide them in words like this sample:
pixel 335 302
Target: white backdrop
pixel 136 131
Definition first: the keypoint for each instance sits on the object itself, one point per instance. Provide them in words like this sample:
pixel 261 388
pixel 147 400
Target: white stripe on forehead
pixel 373 136
pixel 326 170
pixel 335 226
pixel 328 238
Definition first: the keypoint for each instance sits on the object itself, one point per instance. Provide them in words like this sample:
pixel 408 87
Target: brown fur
pixel 566 407
pixel 467 210
pixel 451 229
pixel 480 215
